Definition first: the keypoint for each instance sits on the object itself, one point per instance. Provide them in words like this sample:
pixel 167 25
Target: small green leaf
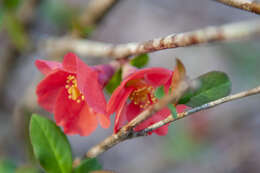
pixel 7 166
pixel 114 81
pixel 140 60
pixel 214 85
pixel 87 166
pixel 173 111
pixel 50 145
pixel 159 92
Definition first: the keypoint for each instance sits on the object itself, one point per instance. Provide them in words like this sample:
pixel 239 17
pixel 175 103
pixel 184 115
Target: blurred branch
pixel 206 35
pixel 209 105
pixel 127 132
pixel 247 5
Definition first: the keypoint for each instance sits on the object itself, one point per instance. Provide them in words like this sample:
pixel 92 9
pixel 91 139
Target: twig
pixel 247 5
pixel 126 132
pixel 206 35
pixel 170 118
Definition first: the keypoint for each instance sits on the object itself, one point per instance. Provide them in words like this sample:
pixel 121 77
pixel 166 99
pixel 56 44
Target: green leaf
pixel 140 60
pixel 50 145
pixel 159 92
pixel 214 85
pixel 173 110
pixel 7 166
pixel 87 166
pixel 114 81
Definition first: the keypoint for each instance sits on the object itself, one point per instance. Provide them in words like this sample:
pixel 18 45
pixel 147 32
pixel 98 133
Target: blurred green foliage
pixel 180 144
pixel 114 81
pixel 6 166
pixel 244 60
pixel 11 4
pixel 58 13
pixel 15 30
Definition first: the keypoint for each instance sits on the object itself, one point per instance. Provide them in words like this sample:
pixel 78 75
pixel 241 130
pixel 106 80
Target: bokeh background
pixel 222 139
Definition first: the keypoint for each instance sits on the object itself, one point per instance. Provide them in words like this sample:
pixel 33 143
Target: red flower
pixel 136 93
pixel 73 92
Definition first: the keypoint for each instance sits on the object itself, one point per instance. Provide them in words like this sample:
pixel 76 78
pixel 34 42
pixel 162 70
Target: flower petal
pixel 70 62
pixel 88 84
pixel 103 120
pixel 157 78
pixel 133 111
pixel 48 89
pixel 116 98
pixel 121 118
pixel 148 75
pixel 75 118
pixel 181 108
pixel 46 67
pixel 162 131
pixel 105 72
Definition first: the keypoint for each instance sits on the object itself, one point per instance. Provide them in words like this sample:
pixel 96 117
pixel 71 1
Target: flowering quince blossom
pixel 73 92
pixel 136 93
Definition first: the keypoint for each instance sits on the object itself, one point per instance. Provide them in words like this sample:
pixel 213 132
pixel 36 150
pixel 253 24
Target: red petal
pixel 157 78
pixel 181 108
pixel 162 131
pixel 116 98
pixel 133 111
pixel 47 66
pixel 75 118
pixel 121 118
pixel 103 120
pixel 48 89
pixel 88 84
pixel 70 62
pixel 148 73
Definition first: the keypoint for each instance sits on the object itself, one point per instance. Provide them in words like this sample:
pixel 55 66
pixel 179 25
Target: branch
pixel 209 105
pixel 247 5
pixel 126 132
pixel 206 35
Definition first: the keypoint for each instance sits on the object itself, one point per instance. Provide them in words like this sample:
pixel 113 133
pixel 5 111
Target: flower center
pixel 143 96
pixel 72 89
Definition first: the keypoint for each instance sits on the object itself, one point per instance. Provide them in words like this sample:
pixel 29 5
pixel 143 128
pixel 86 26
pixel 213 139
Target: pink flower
pixel 136 93
pixel 73 92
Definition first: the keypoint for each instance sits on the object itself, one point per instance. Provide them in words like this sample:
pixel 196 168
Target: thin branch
pixel 206 35
pixel 247 5
pixel 209 105
pixel 127 132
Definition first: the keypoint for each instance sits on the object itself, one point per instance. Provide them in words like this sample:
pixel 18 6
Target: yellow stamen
pixel 72 89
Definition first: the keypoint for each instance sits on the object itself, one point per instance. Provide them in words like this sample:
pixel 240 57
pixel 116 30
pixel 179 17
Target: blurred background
pixel 222 139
